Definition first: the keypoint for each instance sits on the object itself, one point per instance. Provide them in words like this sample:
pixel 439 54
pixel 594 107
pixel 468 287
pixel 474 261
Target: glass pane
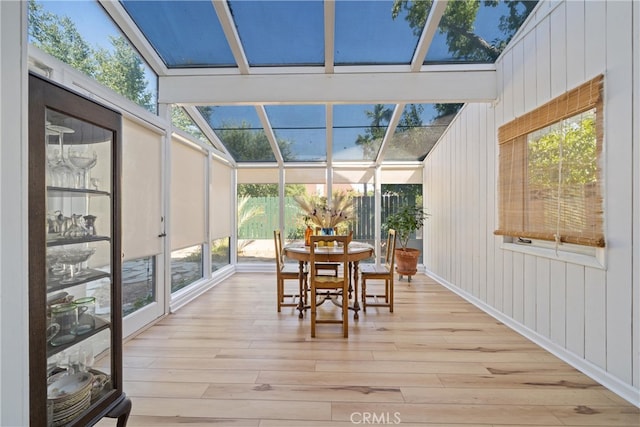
pixel 475 31
pixel 420 127
pixel 358 130
pixel 240 130
pixel 300 131
pixel 367 32
pixel 258 216
pixel 183 33
pixel 395 197
pixel 186 267
pixel 562 188
pixel 280 32
pixel 220 253
pixel 294 216
pixel 82 35
pixel 138 284
pixel 182 120
pixel 78 254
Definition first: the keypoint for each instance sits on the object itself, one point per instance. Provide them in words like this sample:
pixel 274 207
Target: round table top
pixel 357 251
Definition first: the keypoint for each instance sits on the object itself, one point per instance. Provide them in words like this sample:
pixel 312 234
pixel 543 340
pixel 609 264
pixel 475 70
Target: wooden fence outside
pixel 262 225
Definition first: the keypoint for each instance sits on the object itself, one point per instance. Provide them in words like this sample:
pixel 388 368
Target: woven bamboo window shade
pixel 546 196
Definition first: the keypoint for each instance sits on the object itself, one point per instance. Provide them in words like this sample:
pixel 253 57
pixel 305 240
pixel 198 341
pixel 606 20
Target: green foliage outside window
pixel 120 68
pixel 564 152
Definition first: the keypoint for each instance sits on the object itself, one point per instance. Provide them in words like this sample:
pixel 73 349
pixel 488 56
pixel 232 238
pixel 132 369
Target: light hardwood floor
pixel 229 359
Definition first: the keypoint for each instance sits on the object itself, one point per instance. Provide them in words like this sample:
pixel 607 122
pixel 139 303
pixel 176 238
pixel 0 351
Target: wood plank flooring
pixel 229 359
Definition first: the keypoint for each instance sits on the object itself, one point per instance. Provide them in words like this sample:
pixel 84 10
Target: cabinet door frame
pixel 43 95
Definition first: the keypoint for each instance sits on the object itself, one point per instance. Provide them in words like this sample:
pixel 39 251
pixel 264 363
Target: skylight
pixel 279 53
pixel 367 33
pixel 277 33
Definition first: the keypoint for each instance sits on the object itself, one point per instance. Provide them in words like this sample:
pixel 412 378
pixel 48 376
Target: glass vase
pixel 327 231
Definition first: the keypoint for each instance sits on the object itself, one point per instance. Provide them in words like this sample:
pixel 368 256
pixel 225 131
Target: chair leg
pixel 364 294
pixel 313 312
pixel 345 315
pixel 280 291
pixel 386 291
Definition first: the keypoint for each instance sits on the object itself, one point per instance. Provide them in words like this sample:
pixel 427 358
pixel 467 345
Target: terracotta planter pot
pixel 407 261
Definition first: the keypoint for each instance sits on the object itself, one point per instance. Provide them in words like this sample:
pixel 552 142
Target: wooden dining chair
pixel 331 267
pixel 336 285
pixel 286 272
pixel 380 272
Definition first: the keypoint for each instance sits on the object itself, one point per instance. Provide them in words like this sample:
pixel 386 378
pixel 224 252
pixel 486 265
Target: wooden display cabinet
pixel 75 308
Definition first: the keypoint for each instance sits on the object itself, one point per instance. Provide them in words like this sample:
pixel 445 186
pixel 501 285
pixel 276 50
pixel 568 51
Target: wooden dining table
pixel 358 251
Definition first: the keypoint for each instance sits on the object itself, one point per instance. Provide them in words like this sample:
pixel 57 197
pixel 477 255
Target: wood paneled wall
pixel 586 315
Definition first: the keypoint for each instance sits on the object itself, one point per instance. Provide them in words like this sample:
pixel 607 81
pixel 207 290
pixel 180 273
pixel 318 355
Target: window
pixel 186 267
pixel 220 255
pixel 83 36
pixel 550 180
pixel 138 284
pixel 258 216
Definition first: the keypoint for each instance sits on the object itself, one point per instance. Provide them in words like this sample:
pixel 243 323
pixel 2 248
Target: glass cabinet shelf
pixel 101 325
pixel 71 192
pixel 89 275
pixel 59 241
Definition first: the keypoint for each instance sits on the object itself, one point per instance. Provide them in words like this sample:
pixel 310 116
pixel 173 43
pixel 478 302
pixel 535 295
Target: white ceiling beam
pixel 356 88
pixel 329 132
pixel 208 132
pixel 391 130
pixel 433 20
pixel 231 33
pixel 135 36
pixel 268 131
pixel 329 34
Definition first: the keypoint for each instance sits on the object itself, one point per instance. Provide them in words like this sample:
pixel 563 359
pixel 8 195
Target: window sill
pixel 595 260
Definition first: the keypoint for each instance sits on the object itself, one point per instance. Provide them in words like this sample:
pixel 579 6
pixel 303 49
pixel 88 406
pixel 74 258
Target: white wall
pixel 14 326
pixel 586 315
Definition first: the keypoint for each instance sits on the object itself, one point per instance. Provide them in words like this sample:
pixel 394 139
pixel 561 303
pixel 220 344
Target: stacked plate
pixel 69 395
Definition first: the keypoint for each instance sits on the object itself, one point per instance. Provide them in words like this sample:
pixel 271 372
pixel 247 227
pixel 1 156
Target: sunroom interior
pixel 236 108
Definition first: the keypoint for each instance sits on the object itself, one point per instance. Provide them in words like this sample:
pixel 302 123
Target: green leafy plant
pixel 406 221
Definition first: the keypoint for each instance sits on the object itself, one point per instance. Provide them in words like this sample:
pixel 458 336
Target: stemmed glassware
pixel 82 160
pixel 60 172
pixel 73 258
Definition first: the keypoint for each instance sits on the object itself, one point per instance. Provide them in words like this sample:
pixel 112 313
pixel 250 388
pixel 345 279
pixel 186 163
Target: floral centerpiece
pixel 319 212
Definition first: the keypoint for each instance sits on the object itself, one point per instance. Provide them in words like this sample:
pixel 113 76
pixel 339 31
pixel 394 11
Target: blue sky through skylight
pixel 365 33
pixel 485 25
pixel 188 33
pixel 280 32
pixel 184 33
pixel 303 126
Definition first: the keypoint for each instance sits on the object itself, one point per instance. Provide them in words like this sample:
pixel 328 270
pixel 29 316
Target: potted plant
pixel 406 222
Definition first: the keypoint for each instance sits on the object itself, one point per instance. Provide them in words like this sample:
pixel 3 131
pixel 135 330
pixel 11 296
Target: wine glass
pixel 83 160
pixel 61 172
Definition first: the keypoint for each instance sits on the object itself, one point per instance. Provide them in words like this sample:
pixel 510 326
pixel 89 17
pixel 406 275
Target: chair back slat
pixel 316 255
pixel 390 256
pixel 277 238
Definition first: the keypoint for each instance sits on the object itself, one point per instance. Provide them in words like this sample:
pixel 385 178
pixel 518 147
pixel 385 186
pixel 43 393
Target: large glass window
pixel 82 35
pixel 220 254
pixel 395 197
pixel 138 284
pixel 181 120
pixel 549 171
pixel 186 267
pixel 302 184
pixel 294 216
pixel 258 216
